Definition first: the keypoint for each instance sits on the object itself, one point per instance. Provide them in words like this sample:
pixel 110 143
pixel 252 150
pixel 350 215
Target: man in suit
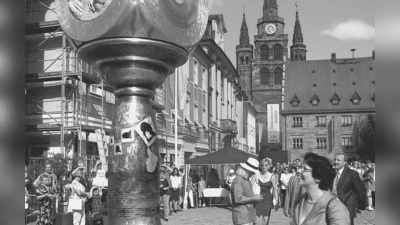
pixel 347 186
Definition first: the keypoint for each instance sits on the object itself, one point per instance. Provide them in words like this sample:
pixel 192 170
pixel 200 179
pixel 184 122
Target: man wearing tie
pixel 347 185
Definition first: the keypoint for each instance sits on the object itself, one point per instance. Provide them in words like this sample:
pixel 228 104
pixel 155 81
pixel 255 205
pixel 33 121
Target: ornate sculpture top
pixel 181 22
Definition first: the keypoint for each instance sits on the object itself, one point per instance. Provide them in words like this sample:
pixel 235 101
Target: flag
pixel 260 131
pixel 183 74
pixel 240 119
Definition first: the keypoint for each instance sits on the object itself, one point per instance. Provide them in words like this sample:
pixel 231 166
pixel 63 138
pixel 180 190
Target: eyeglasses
pixel 305 169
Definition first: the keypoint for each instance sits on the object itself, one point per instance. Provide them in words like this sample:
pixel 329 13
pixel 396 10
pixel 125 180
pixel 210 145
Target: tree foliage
pixel 366 149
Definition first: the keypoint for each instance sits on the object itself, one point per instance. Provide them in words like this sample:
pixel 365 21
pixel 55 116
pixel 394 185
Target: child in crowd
pixel 201 187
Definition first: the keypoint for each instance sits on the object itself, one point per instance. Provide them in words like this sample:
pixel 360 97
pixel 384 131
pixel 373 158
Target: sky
pixel 329 26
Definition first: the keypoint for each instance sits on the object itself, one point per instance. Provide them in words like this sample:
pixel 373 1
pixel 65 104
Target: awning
pixel 226 155
pixel 205 127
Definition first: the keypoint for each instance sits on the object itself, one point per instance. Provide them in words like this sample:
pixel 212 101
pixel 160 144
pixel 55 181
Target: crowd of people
pixel 87 198
pixel 312 190
pixel 172 188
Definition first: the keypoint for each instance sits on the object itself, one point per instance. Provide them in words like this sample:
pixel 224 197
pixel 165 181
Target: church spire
pixel 244 32
pixel 297 34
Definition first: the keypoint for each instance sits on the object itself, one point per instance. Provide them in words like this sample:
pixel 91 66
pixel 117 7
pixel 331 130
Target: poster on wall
pixel 273 123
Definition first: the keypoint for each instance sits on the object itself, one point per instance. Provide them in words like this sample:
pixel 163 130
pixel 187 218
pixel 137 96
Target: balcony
pixel 228 125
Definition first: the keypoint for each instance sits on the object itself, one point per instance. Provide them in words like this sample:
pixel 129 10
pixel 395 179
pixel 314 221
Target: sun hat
pixel 251 165
pixel 74 172
pixel 231 171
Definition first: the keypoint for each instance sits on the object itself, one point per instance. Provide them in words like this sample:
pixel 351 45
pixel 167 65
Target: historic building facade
pixel 327 114
pixel 261 70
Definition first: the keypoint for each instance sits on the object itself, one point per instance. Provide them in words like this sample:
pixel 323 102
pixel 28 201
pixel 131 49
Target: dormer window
pixel 295 101
pixel 335 99
pixel 314 100
pixel 355 99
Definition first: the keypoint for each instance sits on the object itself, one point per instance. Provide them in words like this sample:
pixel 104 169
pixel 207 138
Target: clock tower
pixel 270 53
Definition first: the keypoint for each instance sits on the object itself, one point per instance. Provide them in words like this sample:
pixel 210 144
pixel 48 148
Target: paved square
pixel 222 216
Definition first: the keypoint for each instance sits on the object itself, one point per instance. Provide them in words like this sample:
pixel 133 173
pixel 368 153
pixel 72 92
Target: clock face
pixel 270 28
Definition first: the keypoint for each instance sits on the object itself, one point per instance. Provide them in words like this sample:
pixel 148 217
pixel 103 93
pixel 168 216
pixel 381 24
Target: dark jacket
pixel 349 188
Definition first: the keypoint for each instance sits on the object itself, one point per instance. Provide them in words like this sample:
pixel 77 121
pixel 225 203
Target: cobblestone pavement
pixel 223 215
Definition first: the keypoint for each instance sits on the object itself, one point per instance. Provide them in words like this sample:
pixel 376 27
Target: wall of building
pixel 333 132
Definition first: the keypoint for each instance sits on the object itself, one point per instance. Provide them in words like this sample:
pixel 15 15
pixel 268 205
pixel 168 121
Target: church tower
pixel 298 49
pixel 271 47
pixel 244 58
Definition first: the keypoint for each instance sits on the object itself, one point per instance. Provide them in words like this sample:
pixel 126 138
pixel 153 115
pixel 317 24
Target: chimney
pixel 333 57
pixel 373 54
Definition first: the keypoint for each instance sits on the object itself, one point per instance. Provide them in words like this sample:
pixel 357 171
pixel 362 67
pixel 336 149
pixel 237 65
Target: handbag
pixel 75 203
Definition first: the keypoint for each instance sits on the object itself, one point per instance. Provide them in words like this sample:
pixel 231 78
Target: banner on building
pixel 273 123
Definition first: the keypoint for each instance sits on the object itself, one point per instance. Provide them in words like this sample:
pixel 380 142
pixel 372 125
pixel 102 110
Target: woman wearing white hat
pixel 243 198
pixel 76 203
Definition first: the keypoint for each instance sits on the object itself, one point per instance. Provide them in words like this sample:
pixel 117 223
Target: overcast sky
pixel 328 25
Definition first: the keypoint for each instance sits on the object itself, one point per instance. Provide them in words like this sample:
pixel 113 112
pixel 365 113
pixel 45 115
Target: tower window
pixel 247 60
pixel 264 76
pixel 301 58
pixel 278 52
pixel 241 60
pixel 264 52
pixel 278 75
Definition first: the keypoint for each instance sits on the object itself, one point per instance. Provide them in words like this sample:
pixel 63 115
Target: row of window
pixel 355 99
pixel 277 49
pixel 321 121
pixel 321 143
pixel 266 76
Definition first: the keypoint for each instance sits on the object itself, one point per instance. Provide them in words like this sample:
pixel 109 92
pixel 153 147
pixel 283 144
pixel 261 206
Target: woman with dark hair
pixel 318 205
pixel 176 183
pixel 293 170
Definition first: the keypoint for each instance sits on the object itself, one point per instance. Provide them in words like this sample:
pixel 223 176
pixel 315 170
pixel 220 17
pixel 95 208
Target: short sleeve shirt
pixel 242 213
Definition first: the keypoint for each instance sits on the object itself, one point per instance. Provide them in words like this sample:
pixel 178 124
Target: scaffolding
pixel 53 64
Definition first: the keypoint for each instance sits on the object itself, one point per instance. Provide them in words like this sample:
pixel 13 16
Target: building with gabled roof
pixel 326 103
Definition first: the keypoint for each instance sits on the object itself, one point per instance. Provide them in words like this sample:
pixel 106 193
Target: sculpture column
pixel 134 45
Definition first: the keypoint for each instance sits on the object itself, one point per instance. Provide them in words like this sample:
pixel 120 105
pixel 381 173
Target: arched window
pixel 301 58
pixel 247 60
pixel 264 76
pixel 241 60
pixel 264 52
pixel 278 75
pixel 278 52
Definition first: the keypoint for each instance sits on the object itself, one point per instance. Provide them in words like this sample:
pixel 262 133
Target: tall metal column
pixel 134 45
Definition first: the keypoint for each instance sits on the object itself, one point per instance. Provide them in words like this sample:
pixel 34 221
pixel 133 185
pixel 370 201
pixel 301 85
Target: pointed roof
pixel 295 99
pixel 335 97
pixel 244 32
pixel 297 34
pixel 355 96
pixel 314 97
